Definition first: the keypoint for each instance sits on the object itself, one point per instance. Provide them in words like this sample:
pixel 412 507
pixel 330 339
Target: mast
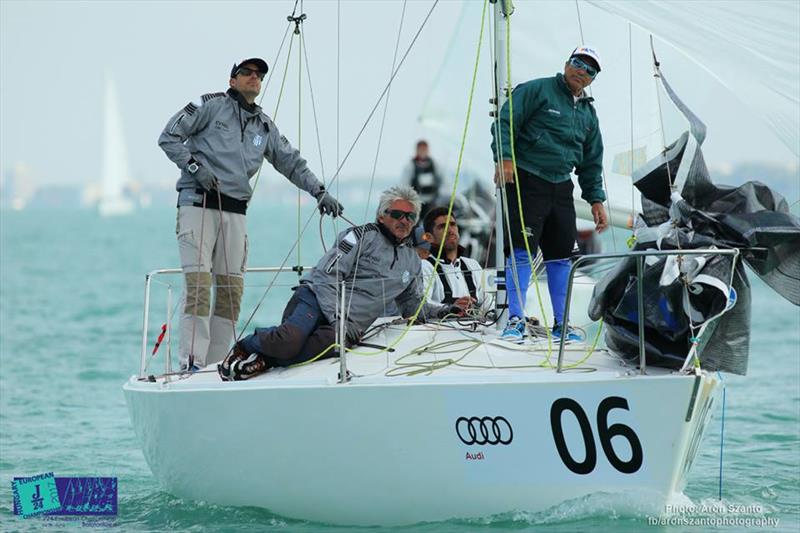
pixel 502 10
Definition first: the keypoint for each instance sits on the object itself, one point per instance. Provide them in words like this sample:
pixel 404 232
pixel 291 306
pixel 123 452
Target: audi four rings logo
pixel 484 430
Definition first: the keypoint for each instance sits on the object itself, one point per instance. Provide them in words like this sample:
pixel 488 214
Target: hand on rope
pixel 206 179
pixel 504 172
pixel 327 204
pixel 600 217
pixel 457 308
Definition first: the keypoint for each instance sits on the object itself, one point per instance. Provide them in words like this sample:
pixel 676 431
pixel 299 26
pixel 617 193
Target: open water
pixel 71 291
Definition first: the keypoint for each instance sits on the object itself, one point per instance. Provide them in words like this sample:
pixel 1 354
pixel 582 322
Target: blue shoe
pixel 514 331
pixel 573 335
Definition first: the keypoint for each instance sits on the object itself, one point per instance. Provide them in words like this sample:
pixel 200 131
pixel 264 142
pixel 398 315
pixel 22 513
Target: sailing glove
pixel 205 178
pixel 327 204
pixel 450 310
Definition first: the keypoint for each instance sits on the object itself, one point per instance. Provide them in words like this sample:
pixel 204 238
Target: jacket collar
pixel 236 95
pixel 390 236
pixel 562 84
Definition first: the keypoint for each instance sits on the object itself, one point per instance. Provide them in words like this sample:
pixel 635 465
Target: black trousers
pixel 549 213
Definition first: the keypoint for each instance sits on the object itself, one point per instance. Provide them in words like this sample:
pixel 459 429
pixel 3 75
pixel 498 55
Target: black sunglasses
pixel 245 71
pixel 398 214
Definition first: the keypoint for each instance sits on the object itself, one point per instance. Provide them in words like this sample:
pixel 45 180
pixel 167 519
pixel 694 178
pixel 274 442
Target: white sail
pixel 116 172
pixel 636 117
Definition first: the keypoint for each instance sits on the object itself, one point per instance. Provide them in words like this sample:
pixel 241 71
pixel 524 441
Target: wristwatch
pixel 193 166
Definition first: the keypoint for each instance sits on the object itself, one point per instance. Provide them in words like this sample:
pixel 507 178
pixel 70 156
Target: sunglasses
pixel 399 215
pixel 244 71
pixel 577 63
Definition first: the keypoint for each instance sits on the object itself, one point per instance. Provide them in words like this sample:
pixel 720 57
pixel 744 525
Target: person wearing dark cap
pixel 219 142
pixel 556 132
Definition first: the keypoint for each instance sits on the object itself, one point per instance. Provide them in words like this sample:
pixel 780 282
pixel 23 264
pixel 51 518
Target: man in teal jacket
pixel 556 132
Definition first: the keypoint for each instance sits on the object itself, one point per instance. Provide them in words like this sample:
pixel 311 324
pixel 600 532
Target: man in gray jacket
pixel 378 264
pixel 219 142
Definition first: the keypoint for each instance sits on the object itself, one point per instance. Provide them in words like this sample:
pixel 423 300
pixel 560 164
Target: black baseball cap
pixel 257 61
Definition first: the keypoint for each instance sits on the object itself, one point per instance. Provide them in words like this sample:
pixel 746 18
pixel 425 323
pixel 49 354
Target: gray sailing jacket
pixel 377 270
pixel 231 142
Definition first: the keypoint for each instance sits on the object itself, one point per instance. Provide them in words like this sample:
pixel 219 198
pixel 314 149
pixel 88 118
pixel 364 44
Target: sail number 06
pixel 604 432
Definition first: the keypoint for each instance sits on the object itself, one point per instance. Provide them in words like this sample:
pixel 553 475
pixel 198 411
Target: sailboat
pixel 445 420
pixel 116 173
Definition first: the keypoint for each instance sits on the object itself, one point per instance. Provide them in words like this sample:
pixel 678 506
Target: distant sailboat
pixel 116 172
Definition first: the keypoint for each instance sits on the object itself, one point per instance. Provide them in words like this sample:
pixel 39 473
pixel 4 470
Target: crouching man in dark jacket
pixel 378 264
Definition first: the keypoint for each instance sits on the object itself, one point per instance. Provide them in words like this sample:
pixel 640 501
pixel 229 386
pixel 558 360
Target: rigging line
pixel 630 97
pixel 383 92
pixel 580 22
pixel 657 76
pixel 430 282
pixel 377 148
pixel 316 131
pixel 221 230
pixel 385 109
pixel 602 168
pixel 492 226
pixel 338 71
pixel 283 79
pixel 263 93
pixel 355 141
pixel 313 106
pixel 275 62
pixel 721 432
pixel 297 31
pixel 190 361
pixel 516 184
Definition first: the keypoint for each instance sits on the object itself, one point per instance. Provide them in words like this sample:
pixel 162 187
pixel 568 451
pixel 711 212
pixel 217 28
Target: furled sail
pixel 701 301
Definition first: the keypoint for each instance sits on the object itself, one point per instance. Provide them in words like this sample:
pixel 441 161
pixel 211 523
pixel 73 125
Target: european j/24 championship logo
pixel 50 495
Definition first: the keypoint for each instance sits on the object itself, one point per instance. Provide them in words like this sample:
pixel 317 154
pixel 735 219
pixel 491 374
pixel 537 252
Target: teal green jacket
pixel 554 135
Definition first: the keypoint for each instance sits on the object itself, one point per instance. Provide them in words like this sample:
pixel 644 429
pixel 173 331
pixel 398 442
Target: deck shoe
pixel 514 330
pixel 191 369
pixel 237 354
pixel 248 368
pixel 573 335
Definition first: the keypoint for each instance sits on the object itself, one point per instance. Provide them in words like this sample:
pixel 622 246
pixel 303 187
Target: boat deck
pixel 435 353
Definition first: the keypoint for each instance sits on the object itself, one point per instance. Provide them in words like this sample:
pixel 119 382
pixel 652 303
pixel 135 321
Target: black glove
pixel 327 204
pixel 205 178
pixel 451 309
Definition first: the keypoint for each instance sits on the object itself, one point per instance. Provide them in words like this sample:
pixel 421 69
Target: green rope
pixel 431 280
pixel 517 189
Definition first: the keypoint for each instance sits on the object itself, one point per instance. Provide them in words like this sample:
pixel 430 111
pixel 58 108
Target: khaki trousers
pixel 213 247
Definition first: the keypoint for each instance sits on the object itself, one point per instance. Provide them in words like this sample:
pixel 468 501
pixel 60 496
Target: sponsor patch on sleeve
pixel 348 242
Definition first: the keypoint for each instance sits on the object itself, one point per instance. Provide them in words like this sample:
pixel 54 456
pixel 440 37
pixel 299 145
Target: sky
pixel 55 56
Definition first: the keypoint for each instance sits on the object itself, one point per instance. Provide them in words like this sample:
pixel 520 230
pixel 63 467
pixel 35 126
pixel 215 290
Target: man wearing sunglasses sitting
pixel 219 142
pixel 378 264
pixel 556 132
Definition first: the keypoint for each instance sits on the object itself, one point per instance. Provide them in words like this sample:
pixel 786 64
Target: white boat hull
pixel 386 451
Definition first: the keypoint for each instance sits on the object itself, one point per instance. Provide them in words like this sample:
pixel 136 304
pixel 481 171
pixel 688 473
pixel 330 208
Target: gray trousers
pixel 212 246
